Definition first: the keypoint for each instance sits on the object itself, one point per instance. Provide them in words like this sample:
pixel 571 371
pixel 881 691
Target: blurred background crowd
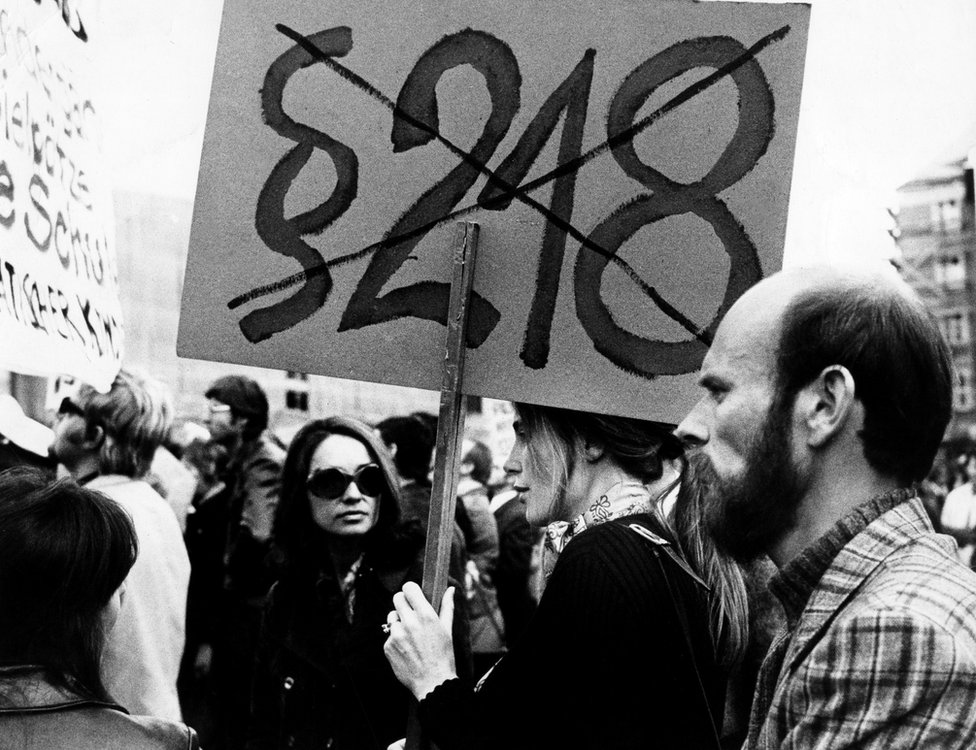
pixel 205 496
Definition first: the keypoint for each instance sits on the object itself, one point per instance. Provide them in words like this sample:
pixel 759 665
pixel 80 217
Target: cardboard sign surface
pixel 59 303
pixel 629 167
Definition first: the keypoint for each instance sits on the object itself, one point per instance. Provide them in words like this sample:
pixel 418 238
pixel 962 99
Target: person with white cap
pixel 23 441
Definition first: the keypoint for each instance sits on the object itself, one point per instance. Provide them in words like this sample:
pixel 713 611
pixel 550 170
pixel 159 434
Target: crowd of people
pixel 783 568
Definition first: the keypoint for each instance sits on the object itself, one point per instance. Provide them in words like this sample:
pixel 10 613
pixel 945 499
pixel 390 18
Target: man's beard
pixel 746 515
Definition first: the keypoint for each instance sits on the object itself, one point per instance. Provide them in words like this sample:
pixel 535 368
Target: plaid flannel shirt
pixel 883 654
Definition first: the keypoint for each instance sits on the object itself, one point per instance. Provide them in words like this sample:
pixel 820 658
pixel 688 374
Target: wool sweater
pixel 603 663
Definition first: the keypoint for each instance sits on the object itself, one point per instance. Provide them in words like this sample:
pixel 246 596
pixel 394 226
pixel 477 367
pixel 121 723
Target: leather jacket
pixel 38 715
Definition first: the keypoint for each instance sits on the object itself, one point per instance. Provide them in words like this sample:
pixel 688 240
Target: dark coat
pixel 254 481
pixel 320 681
pixel 514 573
pixel 603 664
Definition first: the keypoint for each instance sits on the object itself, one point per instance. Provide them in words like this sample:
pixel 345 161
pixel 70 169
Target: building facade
pixel 936 237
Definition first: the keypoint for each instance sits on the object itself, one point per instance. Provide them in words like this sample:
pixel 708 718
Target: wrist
pixel 423 687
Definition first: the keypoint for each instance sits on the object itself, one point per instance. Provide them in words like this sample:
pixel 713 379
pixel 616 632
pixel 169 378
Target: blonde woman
pixel 639 620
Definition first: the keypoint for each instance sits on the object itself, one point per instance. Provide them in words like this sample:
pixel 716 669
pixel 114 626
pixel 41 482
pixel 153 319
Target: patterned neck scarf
pixel 622 499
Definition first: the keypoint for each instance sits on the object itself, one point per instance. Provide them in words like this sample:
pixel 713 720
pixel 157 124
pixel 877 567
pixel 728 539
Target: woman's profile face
pixel 340 506
pixel 533 465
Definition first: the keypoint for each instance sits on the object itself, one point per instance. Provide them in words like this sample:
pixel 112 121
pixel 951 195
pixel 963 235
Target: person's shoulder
pixel 613 545
pixel 135 494
pixel 926 667
pixel 99 727
pixel 150 733
pixel 268 449
pixel 607 534
pixel 620 532
pixel 921 585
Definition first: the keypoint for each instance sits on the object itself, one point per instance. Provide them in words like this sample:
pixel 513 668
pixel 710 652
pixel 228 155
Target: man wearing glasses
pixel 238 420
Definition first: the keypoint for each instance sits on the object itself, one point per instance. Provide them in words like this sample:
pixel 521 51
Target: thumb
pixel 447 609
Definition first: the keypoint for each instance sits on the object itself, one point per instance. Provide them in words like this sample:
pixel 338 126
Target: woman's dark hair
pixel 300 545
pixel 64 551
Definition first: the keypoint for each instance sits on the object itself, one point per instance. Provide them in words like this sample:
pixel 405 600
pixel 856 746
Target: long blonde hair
pixel 728 603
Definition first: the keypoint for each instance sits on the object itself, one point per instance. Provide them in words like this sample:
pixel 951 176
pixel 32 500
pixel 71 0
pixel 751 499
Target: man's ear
pixel 93 437
pixel 826 405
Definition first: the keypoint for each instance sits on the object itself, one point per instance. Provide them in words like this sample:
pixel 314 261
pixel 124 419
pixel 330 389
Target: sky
pixel 888 93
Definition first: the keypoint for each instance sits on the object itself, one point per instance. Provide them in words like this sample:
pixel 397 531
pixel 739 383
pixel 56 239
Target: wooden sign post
pixel 451 417
pixel 450 422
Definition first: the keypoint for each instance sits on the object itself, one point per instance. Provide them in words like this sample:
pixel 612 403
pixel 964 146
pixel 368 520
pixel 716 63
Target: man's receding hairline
pixel 881 279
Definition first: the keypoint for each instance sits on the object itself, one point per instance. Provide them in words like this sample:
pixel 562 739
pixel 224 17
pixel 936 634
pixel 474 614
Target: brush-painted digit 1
pixel 647 357
pixel 428 300
pixel 284 236
pixel 573 96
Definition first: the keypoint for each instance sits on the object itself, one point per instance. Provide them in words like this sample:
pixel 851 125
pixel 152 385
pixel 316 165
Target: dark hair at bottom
pixel 64 551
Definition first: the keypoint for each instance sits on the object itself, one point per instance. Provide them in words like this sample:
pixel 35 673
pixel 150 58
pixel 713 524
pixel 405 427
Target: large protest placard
pixel 59 304
pixel 628 163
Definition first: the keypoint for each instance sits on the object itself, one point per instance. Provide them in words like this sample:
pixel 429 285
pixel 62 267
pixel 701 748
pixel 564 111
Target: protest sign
pixel 59 305
pixel 628 164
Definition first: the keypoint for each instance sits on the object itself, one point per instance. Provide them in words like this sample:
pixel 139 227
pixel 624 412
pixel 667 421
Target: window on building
pixel 955 327
pixel 963 398
pixel 297 398
pixel 946 215
pixel 950 270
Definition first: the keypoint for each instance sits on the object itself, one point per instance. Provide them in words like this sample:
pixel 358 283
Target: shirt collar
pixel 795 582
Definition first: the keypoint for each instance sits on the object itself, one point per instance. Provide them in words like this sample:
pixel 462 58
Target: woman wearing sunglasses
pixel 639 620
pixel 321 679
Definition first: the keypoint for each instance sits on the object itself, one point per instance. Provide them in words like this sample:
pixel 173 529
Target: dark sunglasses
pixel 70 407
pixel 331 483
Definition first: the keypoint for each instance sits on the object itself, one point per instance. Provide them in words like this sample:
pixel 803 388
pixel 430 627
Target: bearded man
pixel 828 392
